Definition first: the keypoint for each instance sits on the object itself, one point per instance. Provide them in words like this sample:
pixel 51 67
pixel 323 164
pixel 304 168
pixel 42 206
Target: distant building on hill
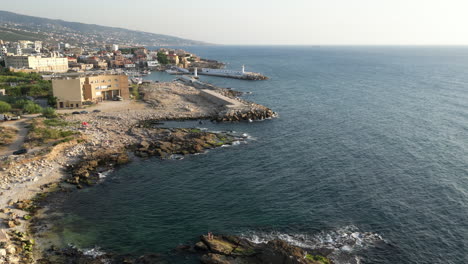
pixel 37 63
pixel 74 92
pixel 37 46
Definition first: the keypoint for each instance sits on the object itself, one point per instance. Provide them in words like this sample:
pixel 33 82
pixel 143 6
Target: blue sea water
pixel 369 157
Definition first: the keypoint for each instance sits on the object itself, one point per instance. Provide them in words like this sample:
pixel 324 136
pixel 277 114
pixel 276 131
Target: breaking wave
pixel 93 252
pixel 342 243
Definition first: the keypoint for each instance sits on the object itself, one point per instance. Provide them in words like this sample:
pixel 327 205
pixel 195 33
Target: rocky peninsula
pixel 71 151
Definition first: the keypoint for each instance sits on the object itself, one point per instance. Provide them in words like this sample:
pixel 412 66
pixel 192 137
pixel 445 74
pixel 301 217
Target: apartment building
pixel 37 63
pixel 75 92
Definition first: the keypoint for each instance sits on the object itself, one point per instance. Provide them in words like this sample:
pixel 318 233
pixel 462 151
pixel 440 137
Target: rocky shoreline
pixel 214 249
pixel 98 142
pixel 18 244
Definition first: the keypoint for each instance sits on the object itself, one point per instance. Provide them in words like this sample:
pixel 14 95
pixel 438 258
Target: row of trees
pixel 24 85
pixel 28 107
pixel 23 105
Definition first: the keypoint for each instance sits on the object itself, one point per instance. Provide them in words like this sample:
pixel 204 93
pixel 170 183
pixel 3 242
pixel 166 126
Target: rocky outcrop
pixel 87 171
pixel 164 142
pixel 235 250
pixel 260 113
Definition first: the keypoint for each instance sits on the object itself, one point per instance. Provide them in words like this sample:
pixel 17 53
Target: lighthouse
pixel 195 72
pixel 243 69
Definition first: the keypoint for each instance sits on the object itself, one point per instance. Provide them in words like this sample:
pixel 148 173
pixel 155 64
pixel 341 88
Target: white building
pixel 47 64
pixel 153 63
pixel 115 47
pixel 19 52
pixel 63 46
pixel 3 52
pixel 37 46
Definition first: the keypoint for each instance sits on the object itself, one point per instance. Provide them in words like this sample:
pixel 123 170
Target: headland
pixel 72 150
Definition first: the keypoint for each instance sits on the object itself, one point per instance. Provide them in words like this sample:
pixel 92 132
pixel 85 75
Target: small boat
pixel 173 72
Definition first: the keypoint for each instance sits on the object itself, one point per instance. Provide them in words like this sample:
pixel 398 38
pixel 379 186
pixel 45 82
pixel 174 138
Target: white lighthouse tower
pixel 195 72
pixel 243 69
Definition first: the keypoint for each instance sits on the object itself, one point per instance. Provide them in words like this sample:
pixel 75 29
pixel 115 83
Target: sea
pixel 368 158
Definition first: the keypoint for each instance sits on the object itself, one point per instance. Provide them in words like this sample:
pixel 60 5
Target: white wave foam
pixel 248 136
pixel 104 174
pixel 343 242
pixel 176 157
pixel 93 252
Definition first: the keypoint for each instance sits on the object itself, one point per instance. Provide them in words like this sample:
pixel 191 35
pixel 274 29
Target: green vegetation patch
pixel 318 258
pixel 244 251
pixel 162 58
pixel 55 122
pixel 134 92
pixel 49 112
pixel 19 84
pixel 46 131
pixel 195 130
pixel 4 107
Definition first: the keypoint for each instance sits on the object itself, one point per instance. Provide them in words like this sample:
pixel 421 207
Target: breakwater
pixel 242 75
pixel 232 108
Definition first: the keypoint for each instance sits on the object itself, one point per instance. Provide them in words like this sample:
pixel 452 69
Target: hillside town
pixel 64 107
pixel 35 56
pixel 107 72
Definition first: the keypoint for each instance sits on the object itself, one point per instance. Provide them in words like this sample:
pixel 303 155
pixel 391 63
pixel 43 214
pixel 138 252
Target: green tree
pixel 20 103
pixel 32 108
pixel 52 101
pixel 162 58
pixel 4 107
pixel 49 112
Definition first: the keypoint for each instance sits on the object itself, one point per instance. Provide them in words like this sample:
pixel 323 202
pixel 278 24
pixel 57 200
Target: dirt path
pixel 21 127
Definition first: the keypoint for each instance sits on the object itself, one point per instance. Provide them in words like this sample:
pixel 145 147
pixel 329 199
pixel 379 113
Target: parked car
pixel 117 98
pixel 96 111
pixel 20 151
pixel 84 112
pixel 15 118
pixel 76 113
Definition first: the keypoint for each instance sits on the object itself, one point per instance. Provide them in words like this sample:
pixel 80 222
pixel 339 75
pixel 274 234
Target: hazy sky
pixel 317 22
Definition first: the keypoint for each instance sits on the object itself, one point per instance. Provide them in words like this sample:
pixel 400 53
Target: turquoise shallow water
pixel 369 157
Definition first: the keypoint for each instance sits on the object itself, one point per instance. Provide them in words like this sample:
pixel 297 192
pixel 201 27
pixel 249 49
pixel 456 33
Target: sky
pixel 271 22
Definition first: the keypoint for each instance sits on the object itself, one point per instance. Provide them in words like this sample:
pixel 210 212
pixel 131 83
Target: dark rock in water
pixel 150 259
pixel 215 250
pixel 165 143
pixel 200 246
pixel 235 250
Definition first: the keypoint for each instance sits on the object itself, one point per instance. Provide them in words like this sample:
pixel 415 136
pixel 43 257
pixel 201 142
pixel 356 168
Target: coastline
pixel 120 129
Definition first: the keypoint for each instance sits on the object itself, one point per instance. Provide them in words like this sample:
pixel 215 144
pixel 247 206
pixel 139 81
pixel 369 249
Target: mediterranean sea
pixel 369 157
